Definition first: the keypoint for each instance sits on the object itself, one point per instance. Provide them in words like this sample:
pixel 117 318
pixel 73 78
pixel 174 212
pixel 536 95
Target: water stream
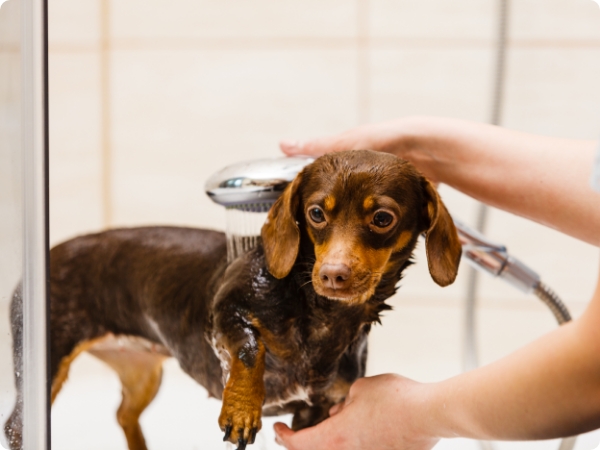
pixel 242 231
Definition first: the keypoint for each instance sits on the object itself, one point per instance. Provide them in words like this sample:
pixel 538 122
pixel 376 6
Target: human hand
pixel 381 412
pixel 386 136
pixel 412 138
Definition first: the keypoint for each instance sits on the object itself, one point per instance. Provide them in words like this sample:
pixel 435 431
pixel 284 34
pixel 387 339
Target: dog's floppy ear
pixel 441 240
pixel 280 233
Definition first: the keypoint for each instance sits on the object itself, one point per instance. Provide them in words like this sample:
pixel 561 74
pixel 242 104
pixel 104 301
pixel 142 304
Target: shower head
pixel 254 186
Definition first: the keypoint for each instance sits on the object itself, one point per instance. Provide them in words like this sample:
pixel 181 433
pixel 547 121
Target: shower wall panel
pixel 11 192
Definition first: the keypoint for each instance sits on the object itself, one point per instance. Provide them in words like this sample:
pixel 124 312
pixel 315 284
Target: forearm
pixel 548 389
pixel 540 178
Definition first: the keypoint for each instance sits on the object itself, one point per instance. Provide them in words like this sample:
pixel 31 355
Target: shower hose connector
pixel 493 258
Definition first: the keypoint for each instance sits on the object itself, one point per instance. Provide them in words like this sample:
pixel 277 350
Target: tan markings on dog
pixel 63 369
pixel 341 244
pixel 311 235
pixel 364 263
pixel 329 202
pixel 243 397
pixel 403 240
pixel 368 203
pixel 431 211
pixel 338 390
pixel 140 370
pixel 275 344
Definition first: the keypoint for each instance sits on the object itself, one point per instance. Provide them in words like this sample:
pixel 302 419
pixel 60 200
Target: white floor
pixel 420 339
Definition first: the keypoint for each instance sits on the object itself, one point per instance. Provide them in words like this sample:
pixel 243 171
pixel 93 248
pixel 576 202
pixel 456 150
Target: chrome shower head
pixel 247 189
pixel 254 186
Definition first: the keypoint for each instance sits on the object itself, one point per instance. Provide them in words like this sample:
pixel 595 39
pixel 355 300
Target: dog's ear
pixel 441 240
pixel 280 233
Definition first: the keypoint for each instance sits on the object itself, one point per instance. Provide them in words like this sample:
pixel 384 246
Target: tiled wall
pixel 10 160
pixel 149 98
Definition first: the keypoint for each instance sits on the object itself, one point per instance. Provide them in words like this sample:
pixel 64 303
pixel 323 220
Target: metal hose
pixel 552 301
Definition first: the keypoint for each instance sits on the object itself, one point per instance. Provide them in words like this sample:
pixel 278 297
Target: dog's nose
pixel 335 276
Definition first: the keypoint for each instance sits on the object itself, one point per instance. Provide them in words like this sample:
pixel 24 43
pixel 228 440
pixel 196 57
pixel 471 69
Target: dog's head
pixel 361 210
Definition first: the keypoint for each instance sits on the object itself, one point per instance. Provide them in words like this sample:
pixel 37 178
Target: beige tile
pixel 215 18
pixel 419 339
pixel 11 234
pixel 502 330
pixel 445 82
pixel 74 22
pixel 10 25
pixel 555 19
pixel 423 338
pixel 464 19
pixel 75 145
pixel 554 91
pixel 11 212
pixel 180 116
pixel 11 165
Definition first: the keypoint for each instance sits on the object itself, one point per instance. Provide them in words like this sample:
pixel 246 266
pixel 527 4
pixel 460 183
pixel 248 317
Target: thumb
pixel 283 433
pixel 312 438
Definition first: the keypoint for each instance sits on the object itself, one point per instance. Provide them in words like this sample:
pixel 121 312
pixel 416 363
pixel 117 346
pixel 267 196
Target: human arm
pixel 541 178
pixel 547 389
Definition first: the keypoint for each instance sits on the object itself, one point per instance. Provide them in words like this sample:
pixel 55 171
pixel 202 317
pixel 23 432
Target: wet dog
pixel 283 328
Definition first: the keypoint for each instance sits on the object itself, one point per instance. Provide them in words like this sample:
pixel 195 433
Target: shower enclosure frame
pixel 34 123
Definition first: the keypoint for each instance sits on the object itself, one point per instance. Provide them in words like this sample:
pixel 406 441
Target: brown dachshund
pixel 283 328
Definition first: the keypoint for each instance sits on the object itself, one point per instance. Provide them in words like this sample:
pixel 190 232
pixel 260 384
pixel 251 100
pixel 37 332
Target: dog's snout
pixel 335 276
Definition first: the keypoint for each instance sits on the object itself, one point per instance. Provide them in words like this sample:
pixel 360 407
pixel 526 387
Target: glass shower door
pixel 23 225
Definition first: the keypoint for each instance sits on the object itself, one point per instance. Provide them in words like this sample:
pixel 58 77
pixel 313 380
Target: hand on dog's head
pixel 362 212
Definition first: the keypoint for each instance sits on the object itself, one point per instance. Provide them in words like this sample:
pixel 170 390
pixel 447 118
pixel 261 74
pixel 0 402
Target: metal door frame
pixel 34 122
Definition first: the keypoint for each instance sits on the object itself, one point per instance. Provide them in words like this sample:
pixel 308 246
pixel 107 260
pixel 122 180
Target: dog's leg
pixel 319 410
pixel 311 415
pixel 140 375
pixel 244 394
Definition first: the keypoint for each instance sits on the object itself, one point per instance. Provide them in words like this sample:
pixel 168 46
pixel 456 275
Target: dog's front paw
pixel 240 417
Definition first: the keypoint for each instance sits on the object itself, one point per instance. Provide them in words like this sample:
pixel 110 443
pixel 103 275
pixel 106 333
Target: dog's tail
pixel 14 425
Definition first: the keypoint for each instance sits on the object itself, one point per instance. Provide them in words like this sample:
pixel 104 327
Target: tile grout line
pixel 105 112
pixel 317 44
pixel 363 63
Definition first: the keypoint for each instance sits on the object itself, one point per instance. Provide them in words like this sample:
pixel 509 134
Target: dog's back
pixel 115 290
pixel 133 282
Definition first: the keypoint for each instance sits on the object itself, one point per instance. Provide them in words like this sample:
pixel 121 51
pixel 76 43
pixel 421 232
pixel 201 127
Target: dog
pixel 281 329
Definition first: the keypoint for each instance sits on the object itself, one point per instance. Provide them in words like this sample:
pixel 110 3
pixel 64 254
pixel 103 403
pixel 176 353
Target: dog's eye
pixel 316 214
pixel 382 219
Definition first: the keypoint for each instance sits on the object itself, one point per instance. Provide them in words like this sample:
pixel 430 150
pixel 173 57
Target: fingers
pixel 336 409
pixel 291 147
pixel 350 140
pixel 283 433
pixel 319 437
pixel 315 147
